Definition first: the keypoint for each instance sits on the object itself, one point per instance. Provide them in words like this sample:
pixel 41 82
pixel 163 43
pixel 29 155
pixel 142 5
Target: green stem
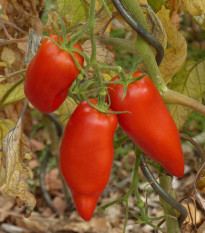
pixel 140 203
pixel 106 7
pixel 116 69
pixel 169 211
pixel 93 62
pixel 93 43
pixel 126 215
pixel 81 53
pixel 12 74
pixel 102 208
pixel 143 48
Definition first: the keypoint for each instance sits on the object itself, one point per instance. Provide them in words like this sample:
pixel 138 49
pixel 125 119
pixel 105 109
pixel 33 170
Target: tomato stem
pixel 63 27
pixel 106 7
pixel 116 69
pixel 81 53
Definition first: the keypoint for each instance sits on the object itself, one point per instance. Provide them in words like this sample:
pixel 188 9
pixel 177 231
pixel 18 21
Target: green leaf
pixel 156 4
pixel 11 93
pixel 72 11
pixel 188 81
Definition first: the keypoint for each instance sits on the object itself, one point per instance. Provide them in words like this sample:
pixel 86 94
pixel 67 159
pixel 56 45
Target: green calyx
pixel 125 81
pixel 104 108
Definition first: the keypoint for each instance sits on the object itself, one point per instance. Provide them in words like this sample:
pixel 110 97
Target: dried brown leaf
pixel 193 213
pixel 194 7
pixel 5 126
pixel 52 180
pixel 5 206
pixel 201 229
pixel 60 204
pixel 15 154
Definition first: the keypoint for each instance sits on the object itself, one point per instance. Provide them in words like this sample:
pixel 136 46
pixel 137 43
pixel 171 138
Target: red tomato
pixel 50 74
pixel 86 155
pixel 149 123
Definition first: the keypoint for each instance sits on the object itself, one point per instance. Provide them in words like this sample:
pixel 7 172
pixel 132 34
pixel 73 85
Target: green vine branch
pixel 143 217
pixel 6 77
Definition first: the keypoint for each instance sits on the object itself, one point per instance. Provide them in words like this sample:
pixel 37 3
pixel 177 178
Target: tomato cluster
pixel 86 151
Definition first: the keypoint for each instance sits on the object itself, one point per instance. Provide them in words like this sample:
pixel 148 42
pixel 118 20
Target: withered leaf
pixel 15 150
pixel 8 56
pixel 5 126
pixel 103 54
pixel 176 53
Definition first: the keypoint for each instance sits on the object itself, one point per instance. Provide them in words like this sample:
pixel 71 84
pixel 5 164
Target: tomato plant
pixel 50 74
pixel 86 152
pixel 148 122
pixel 86 155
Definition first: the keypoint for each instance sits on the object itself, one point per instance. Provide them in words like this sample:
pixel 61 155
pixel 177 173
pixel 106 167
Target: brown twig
pixel 14 26
pixel 159 224
pixel 195 144
pixel 108 22
pixel 5 30
pixel 12 41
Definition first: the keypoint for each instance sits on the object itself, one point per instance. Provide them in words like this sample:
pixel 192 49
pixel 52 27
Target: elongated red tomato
pixel 86 155
pixel 50 74
pixel 149 123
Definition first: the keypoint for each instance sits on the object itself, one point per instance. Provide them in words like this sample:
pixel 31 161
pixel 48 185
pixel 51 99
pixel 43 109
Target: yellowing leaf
pixel 188 81
pixel 11 93
pixel 17 170
pixel 200 20
pixel 65 110
pixel 142 2
pixel 194 7
pixel 175 55
pixel 72 11
pixel 102 20
pixel 5 126
pixel 3 64
pixel 8 56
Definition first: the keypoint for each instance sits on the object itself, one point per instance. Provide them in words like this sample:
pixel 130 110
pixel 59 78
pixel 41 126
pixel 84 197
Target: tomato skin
pixel 149 123
pixel 50 74
pixel 86 155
